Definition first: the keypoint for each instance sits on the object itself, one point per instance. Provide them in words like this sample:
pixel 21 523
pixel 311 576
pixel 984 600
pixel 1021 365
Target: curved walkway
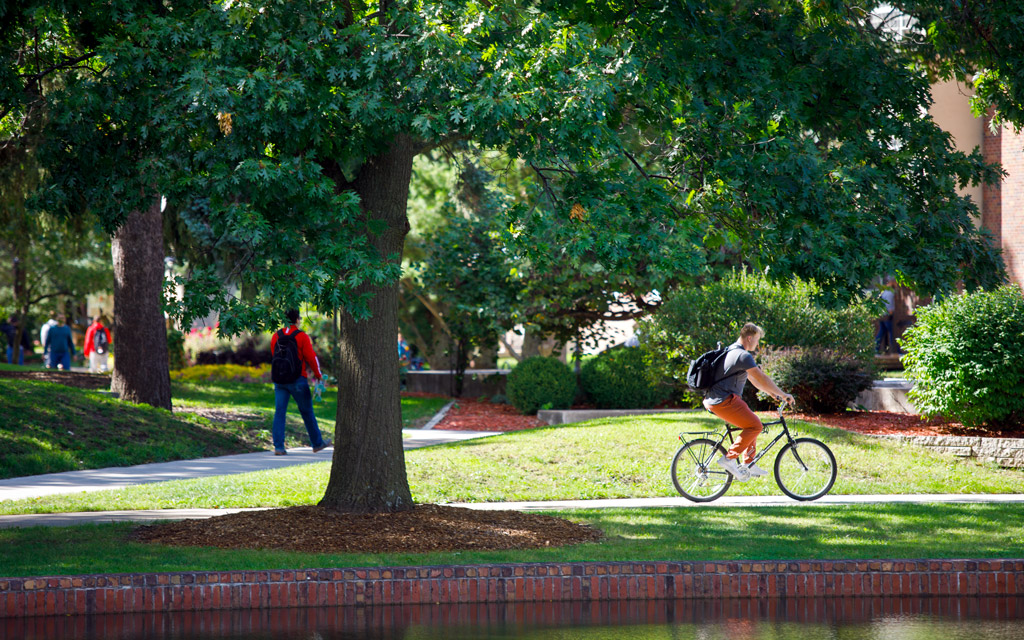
pixel 120 477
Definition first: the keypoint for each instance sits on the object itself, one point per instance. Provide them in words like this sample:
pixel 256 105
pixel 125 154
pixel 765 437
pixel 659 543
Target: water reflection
pixel 750 619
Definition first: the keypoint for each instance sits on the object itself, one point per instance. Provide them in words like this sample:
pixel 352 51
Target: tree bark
pixel 141 365
pixel 368 469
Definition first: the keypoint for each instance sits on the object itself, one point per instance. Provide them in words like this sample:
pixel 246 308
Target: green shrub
pixel 618 379
pixel 821 381
pixel 693 320
pixel 540 382
pixel 963 355
pixel 176 349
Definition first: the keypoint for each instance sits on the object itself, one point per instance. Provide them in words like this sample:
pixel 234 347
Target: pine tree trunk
pixel 368 470
pixel 141 366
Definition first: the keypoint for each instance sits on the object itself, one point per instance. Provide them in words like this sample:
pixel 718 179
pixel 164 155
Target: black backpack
pixel 701 374
pixel 99 341
pixel 286 367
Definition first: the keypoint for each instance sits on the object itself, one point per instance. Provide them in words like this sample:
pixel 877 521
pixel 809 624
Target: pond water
pixel 751 619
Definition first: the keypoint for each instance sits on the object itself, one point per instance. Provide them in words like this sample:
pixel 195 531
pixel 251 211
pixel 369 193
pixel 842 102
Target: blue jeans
pixel 10 355
pixel 56 358
pixel 304 398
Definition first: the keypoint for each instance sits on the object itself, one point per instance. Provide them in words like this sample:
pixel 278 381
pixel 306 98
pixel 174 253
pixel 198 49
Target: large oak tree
pixel 657 131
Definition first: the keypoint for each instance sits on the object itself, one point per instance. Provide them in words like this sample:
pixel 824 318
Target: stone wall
pixel 1005 452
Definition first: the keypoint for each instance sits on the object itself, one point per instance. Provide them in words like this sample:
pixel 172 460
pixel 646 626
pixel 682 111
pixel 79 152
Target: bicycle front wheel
pixel 805 469
pixel 695 474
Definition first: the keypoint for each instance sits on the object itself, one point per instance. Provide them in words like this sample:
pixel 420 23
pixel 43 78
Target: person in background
pixel 60 345
pixel 10 333
pixel 43 332
pixel 97 345
pixel 297 355
pixel 885 323
pixel 10 329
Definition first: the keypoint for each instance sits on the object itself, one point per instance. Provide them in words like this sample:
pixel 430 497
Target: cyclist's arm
pixel 761 380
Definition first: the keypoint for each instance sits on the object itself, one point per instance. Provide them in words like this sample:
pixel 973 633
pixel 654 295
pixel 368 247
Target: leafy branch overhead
pixel 656 132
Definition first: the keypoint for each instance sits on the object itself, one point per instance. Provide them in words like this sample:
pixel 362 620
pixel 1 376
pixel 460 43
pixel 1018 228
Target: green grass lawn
pixel 684 534
pixel 609 458
pixel 48 428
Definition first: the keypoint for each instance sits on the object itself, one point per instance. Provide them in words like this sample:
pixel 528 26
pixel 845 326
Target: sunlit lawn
pixel 609 458
pixel 681 534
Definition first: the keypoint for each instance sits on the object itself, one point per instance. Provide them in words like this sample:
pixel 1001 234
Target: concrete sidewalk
pixel 104 517
pixel 120 477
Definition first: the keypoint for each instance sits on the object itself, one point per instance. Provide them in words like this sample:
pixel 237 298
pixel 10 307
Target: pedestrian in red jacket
pixel 293 361
pixel 97 345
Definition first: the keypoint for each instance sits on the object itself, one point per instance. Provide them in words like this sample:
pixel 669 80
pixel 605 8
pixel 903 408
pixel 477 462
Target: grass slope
pixel 48 428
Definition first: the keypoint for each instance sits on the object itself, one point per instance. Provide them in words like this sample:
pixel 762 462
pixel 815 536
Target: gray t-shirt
pixel 737 359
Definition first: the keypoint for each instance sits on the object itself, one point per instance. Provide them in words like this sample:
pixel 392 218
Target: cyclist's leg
pixel 736 412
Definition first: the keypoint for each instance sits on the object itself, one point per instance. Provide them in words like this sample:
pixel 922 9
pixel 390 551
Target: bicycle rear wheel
pixel 695 474
pixel 805 469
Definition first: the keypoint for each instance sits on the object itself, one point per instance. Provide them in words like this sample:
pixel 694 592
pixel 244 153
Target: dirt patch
pixel 426 528
pixel 219 415
pixel 66 378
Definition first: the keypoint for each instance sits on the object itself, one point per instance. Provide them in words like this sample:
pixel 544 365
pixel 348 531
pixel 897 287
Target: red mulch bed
pixel 481 415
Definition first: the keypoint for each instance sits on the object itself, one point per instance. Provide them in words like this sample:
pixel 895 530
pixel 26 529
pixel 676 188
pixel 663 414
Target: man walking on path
pixel 97 345
pixel 293 359
pixel 60 345
pixel 725 401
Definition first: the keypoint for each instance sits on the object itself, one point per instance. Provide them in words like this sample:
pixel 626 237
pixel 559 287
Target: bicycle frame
pixel 729 429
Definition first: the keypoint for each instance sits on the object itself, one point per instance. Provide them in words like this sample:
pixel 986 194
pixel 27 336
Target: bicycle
pixel 805 468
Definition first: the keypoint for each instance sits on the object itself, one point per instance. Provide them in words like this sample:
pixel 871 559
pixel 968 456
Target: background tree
pixel 50 51
pixel 466 272
pixel 976 42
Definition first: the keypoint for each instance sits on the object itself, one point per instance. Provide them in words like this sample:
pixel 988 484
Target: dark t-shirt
pixel 59 339
pixel 737 359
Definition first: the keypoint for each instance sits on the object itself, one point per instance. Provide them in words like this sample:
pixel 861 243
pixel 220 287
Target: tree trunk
pixel 368 469
pixel 141 365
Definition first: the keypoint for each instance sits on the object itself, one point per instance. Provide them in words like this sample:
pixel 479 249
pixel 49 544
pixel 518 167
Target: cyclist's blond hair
pixel 751 329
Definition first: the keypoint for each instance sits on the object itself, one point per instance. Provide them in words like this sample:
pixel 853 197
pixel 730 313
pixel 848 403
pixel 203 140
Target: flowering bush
pixel 222 373
pixel 202 340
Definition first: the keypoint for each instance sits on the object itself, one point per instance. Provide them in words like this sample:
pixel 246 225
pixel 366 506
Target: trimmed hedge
pixel 820 380
pixel 618 379
pixel 539 382
pixel 693 320
pixel 964 356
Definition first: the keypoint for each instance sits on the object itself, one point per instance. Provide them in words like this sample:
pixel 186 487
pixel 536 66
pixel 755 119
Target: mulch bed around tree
pixel 427 528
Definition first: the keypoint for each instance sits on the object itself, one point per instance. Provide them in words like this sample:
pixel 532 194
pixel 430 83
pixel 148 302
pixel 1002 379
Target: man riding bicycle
pixel 725 400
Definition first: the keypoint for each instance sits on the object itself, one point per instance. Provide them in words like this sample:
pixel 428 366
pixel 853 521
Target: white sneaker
pixel 756 471
pixel 739 472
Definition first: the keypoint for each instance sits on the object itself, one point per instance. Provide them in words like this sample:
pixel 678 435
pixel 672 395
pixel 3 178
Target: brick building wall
pixel 1003 204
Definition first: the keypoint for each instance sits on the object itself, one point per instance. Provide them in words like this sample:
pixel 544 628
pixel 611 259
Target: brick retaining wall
pixel 556 582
